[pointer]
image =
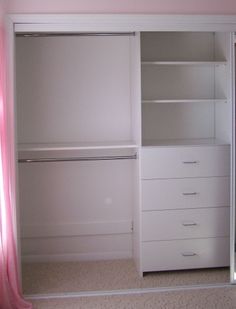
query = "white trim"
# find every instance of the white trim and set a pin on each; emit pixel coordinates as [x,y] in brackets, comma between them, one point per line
[233,175]
[76,229]
[75,257]
[127,291]
[121,22]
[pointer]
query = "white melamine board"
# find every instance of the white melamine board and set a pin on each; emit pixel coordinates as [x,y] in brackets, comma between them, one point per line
[75,229]
[189,63]
[181,162]
[177,82]
[35,151]
[76,146]
[221,78]
[98,247]
[135,91]
[73,89]
[177,46]
[185,224]
[165,101]
[221,45]
[184,142]
[223,86]
[163,194]
[137,211]
[168,255]
[76,192]
[177,121]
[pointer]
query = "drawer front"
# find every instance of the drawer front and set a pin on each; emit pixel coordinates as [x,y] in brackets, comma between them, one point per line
[184,224]
[178,162]
[160,194]
[185,254]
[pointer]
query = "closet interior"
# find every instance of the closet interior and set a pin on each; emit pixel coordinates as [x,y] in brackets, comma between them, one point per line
[123,143]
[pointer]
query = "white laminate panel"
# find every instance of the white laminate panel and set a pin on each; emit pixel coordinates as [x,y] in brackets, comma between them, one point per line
[177,82]
[166,46]
[185,254]
[65,249]
[160,194]
[63,193]
[179,162]
[184,224]
[73,89]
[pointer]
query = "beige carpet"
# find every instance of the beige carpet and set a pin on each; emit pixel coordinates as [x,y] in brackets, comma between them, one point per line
[40,278]
[220,298]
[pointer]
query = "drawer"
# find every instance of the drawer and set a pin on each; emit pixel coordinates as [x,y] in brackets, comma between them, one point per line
[185,254]
[184,224]
[185,193]
[179,162]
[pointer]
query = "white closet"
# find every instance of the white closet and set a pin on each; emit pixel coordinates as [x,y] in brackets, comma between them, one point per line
[149,114]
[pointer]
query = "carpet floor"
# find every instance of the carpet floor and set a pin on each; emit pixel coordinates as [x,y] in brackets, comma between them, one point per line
[40,278]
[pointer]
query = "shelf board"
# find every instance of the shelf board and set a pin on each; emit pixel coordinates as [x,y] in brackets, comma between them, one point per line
[185,101]
[184,142]
[194,63]
[76,146]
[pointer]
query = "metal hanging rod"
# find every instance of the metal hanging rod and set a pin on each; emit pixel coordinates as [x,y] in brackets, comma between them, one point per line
[98,158]
[49,34]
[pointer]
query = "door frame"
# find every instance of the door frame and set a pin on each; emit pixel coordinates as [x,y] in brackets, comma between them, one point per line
[16,23]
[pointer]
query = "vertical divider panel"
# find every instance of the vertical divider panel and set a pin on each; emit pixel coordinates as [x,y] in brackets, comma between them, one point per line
[136,136]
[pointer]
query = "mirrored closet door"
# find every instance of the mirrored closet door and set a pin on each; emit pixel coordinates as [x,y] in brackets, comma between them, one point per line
[124,143]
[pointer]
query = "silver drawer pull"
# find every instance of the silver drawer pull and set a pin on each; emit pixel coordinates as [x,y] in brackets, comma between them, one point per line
[190,162]
[189,224]
[189,193]
[187,254]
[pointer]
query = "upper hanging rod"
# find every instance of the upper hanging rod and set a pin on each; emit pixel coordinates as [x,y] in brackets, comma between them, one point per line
[98,158]
[48,34]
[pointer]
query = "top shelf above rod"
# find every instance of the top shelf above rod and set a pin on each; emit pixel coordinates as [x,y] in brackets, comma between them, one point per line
[195,63]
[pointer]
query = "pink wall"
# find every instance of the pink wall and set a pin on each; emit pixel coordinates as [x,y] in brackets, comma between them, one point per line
[124,6]
[2,8]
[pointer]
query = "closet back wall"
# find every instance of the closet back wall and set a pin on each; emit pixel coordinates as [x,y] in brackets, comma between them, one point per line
[73,95]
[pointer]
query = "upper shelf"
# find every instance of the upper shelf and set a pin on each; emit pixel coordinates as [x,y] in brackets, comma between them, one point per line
[76,146]
[193,63]
[185,101]
[183,142]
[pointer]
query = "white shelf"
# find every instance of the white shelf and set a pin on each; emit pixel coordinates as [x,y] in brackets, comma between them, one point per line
[76,146]
[183,142]
[185,101]
[193,63]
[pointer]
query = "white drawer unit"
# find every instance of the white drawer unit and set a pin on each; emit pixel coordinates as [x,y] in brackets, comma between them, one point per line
[185,254]
[185,224]
[185,214]
[160,194]
[180,162]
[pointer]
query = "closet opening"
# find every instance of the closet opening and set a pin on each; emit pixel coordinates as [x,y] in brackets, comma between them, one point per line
[98,116]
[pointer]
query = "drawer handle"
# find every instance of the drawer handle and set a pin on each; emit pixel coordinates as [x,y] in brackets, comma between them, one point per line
[189,193]
[189,224]
[187,254]
[190,162]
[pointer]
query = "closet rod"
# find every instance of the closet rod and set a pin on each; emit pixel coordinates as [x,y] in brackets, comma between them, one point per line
[98,158]
[48,34]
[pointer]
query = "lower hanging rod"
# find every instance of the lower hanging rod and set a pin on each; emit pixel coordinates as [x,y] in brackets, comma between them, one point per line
[98,158]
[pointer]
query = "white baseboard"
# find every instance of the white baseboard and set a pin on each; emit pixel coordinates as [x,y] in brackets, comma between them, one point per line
[115,255]
[76,229]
